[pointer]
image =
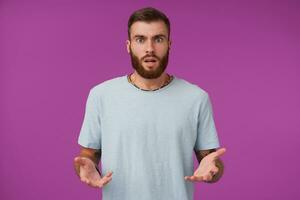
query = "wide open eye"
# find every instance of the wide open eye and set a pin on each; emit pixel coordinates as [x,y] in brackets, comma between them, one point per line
[139,40]
[159,39]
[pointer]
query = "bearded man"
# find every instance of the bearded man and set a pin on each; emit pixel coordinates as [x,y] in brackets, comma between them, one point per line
[145,126]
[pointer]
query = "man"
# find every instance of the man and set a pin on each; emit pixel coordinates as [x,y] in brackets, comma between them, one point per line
[145,126]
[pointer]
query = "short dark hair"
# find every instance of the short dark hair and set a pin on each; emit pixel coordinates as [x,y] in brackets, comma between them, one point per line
[148,14]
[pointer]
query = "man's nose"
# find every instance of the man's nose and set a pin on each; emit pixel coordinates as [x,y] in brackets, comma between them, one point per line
[149,47]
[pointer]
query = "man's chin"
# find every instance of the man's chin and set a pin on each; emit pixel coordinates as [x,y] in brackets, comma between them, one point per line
[150,67]
[152,75]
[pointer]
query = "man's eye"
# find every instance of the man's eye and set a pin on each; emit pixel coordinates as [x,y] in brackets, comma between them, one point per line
[159,40]
[139,40]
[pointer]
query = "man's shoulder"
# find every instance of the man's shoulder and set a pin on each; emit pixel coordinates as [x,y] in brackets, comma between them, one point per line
[108,85]
[192,88]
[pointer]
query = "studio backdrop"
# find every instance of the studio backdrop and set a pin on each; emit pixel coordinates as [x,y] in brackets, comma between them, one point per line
[245,54]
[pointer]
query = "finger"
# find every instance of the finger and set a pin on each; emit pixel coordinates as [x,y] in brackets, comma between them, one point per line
[105,178]
[100,183]
[215,155]
[220,152]
[97,183]
[207,177]
[193,178]
[85,180]
[189,179]
[107,181]
[104,181]
[108,174]
[82,179]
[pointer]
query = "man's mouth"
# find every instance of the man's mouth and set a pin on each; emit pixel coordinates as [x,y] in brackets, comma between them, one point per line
[150,60]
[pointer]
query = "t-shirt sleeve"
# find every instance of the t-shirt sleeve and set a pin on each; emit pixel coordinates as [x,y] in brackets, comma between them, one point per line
[207,136]
[90,133]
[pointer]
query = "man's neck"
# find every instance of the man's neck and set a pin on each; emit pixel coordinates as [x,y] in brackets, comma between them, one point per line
[149,84]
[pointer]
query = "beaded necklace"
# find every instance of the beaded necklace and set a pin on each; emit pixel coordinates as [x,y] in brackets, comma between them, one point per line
[166,83]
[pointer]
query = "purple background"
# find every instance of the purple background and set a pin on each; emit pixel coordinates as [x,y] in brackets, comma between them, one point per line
[244,53]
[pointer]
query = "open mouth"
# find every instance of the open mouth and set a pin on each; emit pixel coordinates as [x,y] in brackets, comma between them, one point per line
[150,60]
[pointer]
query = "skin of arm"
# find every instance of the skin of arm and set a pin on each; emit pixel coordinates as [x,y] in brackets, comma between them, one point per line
[92,154]
[200,154]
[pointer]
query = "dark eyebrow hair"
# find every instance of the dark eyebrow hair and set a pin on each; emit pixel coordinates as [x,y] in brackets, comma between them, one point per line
[155,36]
[160,35]
[136,36]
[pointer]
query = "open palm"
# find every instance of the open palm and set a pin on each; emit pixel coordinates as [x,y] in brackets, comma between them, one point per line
[207,168]
[89,174]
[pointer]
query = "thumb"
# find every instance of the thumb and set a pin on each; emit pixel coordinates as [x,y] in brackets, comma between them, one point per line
[218,153]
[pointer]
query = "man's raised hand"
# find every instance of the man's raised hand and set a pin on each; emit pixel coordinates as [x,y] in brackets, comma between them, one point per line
[207,168]
[89,174]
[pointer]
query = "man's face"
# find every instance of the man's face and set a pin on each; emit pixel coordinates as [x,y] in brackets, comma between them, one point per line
[149,48]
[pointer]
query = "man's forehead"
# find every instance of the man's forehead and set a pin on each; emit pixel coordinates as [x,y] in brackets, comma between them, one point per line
[149,29]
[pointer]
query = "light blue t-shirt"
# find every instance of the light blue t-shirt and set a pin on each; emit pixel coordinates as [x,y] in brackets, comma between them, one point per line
[147,138]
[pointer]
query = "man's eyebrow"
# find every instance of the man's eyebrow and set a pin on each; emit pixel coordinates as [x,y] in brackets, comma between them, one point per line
[155,36]
[138,36]
[160,35]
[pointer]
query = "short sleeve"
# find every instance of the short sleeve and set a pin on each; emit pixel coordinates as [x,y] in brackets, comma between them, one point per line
[207,136]
[90,133]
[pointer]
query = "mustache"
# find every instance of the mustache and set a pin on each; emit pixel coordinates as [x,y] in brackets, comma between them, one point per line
[150,55]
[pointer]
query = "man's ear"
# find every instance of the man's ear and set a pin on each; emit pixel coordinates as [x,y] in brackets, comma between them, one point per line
[128,46]
[170,43]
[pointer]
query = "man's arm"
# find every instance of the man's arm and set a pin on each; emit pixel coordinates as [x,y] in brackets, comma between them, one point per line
[200,154]
[92,154]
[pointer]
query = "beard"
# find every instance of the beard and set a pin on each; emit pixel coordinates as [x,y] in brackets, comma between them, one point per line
[138,66]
